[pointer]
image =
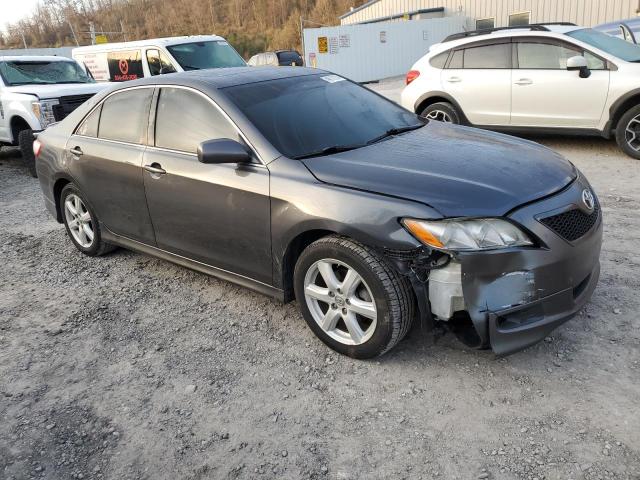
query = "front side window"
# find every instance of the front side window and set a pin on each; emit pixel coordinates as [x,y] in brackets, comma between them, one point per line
[544,56]
[306,115]
[209,54]
[488,56]
[89,128]
[125,116]
[629,52]
[184,119]
[158,63]
[20,72]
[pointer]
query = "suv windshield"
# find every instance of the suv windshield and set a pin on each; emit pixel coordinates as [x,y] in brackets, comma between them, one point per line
[316,115]
[607,43]
[23,72]
[211,54]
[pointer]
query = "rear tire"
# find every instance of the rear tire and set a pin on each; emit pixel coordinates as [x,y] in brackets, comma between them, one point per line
[81,223]
[25,142]
[628,132]
[442,112]
[364,308]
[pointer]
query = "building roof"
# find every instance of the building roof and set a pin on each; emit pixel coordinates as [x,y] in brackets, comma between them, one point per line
[361,7]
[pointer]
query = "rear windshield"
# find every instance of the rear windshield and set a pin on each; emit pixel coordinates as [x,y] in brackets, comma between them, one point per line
[288,58]
[21,72]
[306,114]
[612,45]
[210,54]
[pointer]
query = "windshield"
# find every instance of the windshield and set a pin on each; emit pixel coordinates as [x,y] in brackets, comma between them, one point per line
[319,114]
[19,72]
[199,55]
[609,44]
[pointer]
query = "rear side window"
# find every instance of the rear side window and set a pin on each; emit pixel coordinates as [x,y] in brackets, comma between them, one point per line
[488,56]
[456,59]
[125,65]
[89,128]
[125,116]
[439,60]
[184,119]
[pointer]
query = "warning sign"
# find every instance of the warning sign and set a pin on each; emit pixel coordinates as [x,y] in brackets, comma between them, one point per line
[323,45]
[333,45]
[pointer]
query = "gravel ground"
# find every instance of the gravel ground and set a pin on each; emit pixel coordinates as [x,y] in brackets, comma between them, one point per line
[127,367]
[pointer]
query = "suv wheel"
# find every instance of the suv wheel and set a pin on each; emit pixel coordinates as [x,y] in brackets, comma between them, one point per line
[351,298]
[81,223]
[628,132]
[25,142]
[441,112]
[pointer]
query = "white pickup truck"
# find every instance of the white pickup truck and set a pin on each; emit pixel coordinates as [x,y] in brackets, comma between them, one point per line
[36,91]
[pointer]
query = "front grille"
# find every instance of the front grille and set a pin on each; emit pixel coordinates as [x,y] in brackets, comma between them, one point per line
[68,104]
[573,224]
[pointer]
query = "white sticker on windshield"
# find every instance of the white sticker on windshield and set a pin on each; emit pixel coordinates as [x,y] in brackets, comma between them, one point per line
[332,78]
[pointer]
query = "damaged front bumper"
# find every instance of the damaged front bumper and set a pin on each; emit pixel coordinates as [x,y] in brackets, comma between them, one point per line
[515,297]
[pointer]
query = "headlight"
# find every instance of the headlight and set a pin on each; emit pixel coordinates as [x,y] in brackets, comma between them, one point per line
[465,235]
[43,110]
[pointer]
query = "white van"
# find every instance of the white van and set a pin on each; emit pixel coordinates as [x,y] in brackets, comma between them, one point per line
[118,62]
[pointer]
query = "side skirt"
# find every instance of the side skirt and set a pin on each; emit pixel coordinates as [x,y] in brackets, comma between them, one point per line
[586,132]
[243,281]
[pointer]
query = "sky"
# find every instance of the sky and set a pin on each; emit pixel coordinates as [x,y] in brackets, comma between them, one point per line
[12,10]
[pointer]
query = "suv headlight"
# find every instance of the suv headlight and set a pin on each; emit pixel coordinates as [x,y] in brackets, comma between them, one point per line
[467,234]
[43,110]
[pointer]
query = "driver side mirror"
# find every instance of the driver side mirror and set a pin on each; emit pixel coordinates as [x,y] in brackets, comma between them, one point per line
[579,63]
[223,150]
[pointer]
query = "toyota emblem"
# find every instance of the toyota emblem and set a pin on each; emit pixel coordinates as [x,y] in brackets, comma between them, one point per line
[587,199]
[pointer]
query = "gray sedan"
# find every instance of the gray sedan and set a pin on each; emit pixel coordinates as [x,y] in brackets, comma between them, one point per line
[303,185]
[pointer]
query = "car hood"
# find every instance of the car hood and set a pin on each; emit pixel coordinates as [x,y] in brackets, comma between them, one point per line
[61,90]
[459,171]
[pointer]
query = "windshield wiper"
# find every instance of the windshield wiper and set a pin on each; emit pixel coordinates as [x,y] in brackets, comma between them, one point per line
[395,131]
[330,150]
[70,81]
[190,67]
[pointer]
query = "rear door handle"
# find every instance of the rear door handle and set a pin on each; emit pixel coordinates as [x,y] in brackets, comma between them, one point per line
[454,79]
[77,151]
[155,168]
[524,81]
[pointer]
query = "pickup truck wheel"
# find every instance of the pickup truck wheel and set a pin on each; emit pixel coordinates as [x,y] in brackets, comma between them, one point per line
[25,142]
[81,223]
[441,112]
[628,132]
[351,298]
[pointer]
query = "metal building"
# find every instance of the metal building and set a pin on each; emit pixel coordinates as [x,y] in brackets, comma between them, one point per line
[495,13]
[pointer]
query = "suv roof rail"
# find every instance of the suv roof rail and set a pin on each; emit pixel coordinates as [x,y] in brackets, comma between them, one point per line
[538,27]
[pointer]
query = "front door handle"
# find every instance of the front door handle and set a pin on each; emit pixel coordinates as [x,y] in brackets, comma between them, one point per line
[524,81]
[77,151]
[155,168]
[454,79]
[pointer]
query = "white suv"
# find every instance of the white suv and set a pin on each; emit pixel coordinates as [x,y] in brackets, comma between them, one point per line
[36,91]
[539,78]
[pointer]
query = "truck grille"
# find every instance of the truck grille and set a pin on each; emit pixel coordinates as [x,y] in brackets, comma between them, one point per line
[573,224]
[68,104]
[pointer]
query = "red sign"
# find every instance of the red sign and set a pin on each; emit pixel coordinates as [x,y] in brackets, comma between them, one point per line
[123,65]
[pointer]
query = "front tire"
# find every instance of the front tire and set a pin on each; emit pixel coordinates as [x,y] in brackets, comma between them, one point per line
[81,223]
[351,298]
[442,112]
[25,142]
[628,132]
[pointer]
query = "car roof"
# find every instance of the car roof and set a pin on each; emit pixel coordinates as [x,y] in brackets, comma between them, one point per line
[163,41]
[34,58]
[552,31]
[216,78]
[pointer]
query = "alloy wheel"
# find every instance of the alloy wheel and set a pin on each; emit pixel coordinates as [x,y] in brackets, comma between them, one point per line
[632,133]
[340,301]
[439,116]
[79,220]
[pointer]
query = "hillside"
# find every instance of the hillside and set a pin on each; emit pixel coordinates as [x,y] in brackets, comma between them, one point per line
[250,25]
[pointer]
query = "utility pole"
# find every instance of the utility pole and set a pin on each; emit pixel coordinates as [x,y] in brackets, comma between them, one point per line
[123,32]
[92,32]
[24,41]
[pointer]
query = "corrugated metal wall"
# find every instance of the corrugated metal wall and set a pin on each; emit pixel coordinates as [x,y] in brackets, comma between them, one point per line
[581,12]
[378,50]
